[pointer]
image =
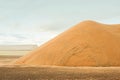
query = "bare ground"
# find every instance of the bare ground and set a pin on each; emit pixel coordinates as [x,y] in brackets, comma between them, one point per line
[59,73]
[5,59]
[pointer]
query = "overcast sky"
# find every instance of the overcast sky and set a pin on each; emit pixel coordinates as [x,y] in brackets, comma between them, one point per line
[36,21]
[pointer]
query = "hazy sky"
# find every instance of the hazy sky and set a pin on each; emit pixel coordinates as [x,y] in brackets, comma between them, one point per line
[36,21]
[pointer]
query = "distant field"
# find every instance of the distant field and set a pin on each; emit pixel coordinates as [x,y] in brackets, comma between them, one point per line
[5,59]
[15,52]
[9,53]
[9,56]
[59,73]
[17,47]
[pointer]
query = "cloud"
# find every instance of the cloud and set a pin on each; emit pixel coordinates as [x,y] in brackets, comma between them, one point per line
[38,39]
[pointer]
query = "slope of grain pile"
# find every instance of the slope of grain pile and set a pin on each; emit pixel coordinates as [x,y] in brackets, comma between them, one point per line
[86,44]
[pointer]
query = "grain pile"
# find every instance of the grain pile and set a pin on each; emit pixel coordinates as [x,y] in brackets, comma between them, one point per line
[86,44]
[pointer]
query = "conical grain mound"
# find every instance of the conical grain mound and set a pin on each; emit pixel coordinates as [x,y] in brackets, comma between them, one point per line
[87,44]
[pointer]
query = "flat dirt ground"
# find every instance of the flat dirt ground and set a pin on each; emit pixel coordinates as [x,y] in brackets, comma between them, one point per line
[59,73]
[5,59]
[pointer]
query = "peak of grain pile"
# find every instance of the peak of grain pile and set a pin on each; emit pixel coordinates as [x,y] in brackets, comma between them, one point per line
[86,44]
